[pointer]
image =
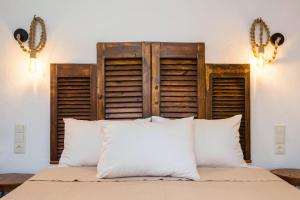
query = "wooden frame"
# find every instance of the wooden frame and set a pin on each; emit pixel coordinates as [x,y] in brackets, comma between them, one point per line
[140,79]
[234,92]
[124,57]
[181,79]
[81,105]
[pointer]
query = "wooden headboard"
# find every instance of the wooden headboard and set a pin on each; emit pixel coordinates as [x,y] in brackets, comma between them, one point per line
[140,79]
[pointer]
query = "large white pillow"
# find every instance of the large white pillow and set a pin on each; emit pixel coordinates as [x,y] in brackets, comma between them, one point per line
[83,140]
[216,142]
[148,149]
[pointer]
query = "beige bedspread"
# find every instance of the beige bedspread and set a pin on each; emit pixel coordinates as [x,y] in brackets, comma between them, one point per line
[215,184]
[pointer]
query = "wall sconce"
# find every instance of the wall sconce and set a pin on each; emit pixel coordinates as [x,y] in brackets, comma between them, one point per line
[258,48]
[21,36]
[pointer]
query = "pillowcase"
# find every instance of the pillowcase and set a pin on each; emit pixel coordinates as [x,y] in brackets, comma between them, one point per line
[148,149]
[216,142]
[82,143]
[83,140]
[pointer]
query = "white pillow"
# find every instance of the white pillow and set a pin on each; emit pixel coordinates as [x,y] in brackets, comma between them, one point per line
[148,149]
[216,142]
[82,143]
[83,140]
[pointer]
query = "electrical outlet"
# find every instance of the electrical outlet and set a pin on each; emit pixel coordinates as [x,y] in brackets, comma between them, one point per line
[279,149]
[280,134]
[279,139]
[19,138]
[19,148]
[19,143]
[19,128]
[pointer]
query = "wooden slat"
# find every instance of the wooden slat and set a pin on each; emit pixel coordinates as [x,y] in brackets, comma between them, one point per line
[123,78]
[156,83]
[201,82]
[179,66]
[54,155]
[126,61]
[123,73]
[178,78]
[123,83]
[122,49]
[124,105]
[123,116]
[85,105]
[178,94]
[178,99]
[67,70]
[73,103]
[123,94]
[176,110]
[101,80]
[124,89]
[179,62]
[179,104]
[124,99]
[68,87]
[59,99]
[178,73]
[125,67]
[73,95]
[179,88]
[178,115]
[74,91]
[124,110]
[146,58]
[178,83]
[178,50]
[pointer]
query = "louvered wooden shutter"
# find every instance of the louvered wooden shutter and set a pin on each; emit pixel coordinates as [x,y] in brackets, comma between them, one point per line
[124,83]
[228,94]
[73,95]
[178,89]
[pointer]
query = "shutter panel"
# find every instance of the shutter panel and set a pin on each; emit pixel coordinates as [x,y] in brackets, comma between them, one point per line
[228,94]
[124,83]
[177,87]
[73,95]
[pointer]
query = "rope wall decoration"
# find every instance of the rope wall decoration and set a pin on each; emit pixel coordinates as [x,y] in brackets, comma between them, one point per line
[33,48]
[258,48]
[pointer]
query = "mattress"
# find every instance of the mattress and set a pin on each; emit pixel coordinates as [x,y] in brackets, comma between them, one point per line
[216,183]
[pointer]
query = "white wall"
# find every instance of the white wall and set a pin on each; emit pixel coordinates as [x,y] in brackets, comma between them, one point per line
[74,27]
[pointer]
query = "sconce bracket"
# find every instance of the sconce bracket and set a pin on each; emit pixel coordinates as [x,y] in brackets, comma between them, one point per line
[274,38]
[23,34]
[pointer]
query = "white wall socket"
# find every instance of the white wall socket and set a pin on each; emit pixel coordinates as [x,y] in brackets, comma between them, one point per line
[19,128]
[279,139]
[279,149]
[19,148]
[19,143]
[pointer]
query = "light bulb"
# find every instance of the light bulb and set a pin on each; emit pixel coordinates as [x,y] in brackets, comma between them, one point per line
[261,60]
[261,57]
[33,66]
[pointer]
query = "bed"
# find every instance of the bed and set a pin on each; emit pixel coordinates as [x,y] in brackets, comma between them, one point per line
[216,183]
[137,80]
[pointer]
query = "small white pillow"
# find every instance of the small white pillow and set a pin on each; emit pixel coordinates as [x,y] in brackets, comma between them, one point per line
[216,142]
[82,143]
[148,149]
[83,140]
